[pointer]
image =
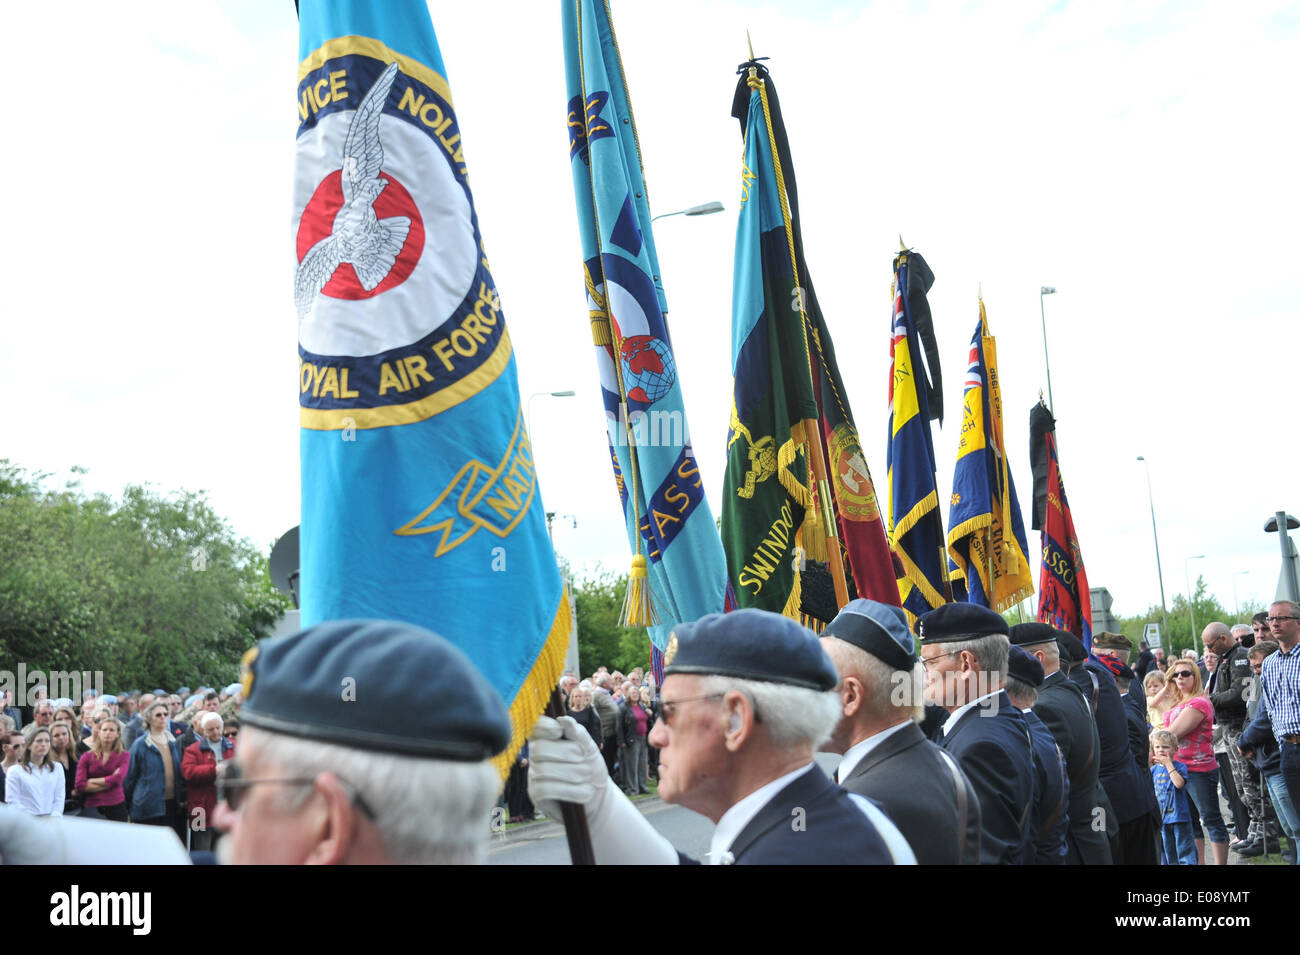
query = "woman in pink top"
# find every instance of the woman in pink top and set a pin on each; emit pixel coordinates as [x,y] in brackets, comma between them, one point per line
[101,771]
[1190,717]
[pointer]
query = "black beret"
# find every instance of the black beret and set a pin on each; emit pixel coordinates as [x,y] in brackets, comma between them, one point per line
[1071,647]
[959,621]
[878,628]
[1024,666]
[1028,634]
[750,645]
[352,682]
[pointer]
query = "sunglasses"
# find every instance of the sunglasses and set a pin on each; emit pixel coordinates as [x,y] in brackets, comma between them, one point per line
[230,734]
[1183,673]
[668,708]
[231,787]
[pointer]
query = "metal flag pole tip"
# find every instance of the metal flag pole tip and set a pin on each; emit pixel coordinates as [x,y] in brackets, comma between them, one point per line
[902,246]
[749,43]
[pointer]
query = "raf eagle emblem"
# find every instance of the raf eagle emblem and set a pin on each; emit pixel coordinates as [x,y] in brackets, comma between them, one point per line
[359,237]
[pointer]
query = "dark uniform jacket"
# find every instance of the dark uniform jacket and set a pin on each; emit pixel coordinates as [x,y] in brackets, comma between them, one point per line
[1066,714]
[1139,730]
[1131,795]
[994,752]
[924,793]
[1146,662]
[1227,688]
[1046,844]
[811,821]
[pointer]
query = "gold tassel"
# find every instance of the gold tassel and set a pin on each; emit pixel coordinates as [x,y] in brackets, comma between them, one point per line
[814,535]
[638,607]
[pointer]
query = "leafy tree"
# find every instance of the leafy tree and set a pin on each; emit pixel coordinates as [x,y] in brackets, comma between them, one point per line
[149,589]
[1180,637]
[601,641]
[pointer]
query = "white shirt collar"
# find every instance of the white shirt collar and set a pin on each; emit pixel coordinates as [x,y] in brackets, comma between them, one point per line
[735,819]
[958,713]
[855,753]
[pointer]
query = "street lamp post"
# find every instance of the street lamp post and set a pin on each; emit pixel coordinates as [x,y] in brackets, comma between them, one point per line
[1160,574]
[1191,596]
[1288,585]
[1046,290]
[528,407]
[703,209]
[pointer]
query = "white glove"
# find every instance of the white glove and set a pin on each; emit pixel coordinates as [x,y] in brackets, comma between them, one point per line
[565,766]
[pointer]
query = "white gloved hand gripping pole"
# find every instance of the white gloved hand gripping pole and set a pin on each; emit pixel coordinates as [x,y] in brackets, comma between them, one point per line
[565,766]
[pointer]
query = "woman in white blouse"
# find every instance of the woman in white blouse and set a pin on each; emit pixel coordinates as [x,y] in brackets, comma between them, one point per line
[36,784]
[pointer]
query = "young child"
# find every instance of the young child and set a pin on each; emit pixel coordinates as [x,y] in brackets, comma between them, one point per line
[1168,776]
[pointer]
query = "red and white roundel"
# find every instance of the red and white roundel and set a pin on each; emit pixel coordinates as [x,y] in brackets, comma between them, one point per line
[384,238]
[317,223]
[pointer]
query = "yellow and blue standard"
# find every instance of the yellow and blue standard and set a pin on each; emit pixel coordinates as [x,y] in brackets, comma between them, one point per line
[419,495]
[986,534]
[915,527]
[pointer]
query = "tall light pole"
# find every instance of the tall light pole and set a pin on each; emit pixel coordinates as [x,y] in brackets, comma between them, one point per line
[703,209]
[1288,587]
[1160,574]
[1191,596]
[1046,290]
[1236,604]
[528,406]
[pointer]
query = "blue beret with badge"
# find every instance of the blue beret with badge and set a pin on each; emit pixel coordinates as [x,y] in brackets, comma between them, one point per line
[349,682]
[959,621]
[750,645]
[1024,666]
[878,628]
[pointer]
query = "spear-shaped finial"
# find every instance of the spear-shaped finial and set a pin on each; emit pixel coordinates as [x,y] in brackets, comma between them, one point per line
[749,43]
[902,246]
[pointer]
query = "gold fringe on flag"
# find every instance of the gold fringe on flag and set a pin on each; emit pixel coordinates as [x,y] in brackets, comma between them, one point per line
[638,605]
[530,702]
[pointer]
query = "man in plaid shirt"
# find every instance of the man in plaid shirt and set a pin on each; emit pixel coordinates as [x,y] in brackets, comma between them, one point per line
[1280,691]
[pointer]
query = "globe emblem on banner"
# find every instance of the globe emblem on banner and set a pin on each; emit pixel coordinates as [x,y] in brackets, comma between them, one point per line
[648,368]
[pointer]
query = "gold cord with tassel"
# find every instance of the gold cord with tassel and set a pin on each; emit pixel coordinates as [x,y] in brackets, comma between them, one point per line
[638,608]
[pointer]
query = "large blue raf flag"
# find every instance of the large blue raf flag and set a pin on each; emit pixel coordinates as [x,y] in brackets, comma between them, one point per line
[915,524]
[669,524]
[986,534]
[419,500]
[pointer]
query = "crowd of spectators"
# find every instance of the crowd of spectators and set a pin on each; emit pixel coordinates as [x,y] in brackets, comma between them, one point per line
[145,758]
[1225,730]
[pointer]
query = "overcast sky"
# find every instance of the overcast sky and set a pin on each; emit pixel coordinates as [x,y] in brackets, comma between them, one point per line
[1138,157]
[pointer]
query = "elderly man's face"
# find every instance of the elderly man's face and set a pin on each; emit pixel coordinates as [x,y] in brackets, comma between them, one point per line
[945,682]
[261,831]
[212,731]
[690,739]
[44,715]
